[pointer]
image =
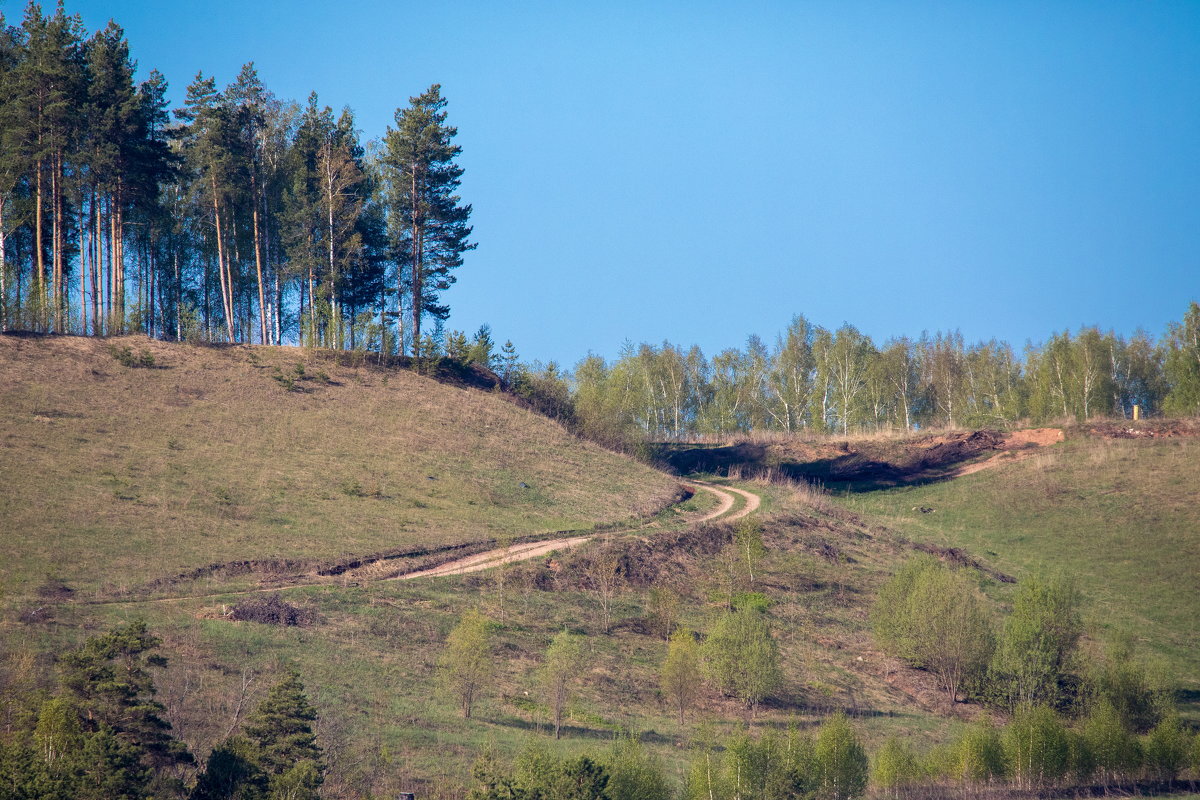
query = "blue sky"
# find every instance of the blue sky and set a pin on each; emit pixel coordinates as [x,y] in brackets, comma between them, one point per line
[700,171]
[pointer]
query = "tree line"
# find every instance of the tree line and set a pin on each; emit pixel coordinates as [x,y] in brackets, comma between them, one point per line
[240,217]
[812,379]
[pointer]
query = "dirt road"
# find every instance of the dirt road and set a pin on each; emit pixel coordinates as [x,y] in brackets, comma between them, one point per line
[727,497]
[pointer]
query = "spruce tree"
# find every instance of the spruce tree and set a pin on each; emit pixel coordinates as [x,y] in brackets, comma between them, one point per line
[281,731]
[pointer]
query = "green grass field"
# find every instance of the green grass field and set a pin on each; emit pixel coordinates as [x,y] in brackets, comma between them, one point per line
[1119,515]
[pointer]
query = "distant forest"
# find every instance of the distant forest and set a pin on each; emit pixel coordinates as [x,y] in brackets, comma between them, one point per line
[241,217]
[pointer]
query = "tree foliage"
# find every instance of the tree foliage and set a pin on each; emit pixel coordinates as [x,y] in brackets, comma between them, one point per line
[934,619]
[466,661]
[564,656]
[1036,657]
[741,657]
[680,676]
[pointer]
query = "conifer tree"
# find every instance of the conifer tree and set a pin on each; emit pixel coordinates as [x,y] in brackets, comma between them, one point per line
[109,681]
[280,728]
[427,220]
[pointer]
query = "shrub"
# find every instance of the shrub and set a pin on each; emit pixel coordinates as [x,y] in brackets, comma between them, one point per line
[979,754]
[840,760]
[935,619]
[1114,749]
[896,767]
[1167,748]
[1037,747]
[126,358]
[634,773]
[742,658]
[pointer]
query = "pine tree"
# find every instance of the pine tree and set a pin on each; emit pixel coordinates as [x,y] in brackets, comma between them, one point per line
[280,728]
[109,681]
[428,222]
[12,165]
[49,81]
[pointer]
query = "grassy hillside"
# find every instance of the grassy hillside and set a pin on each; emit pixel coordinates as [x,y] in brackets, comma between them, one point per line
[1118,514]
[118,476]
[115,475]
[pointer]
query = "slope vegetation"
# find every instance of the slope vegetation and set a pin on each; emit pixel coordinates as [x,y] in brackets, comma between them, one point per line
[215,461]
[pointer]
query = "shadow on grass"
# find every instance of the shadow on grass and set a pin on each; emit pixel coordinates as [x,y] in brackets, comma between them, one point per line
[575,731]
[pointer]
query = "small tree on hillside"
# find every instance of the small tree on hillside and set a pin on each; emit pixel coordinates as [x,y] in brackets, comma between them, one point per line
[1167,748]
[934,619]
[895,768]
[840,759]
[747,536]
[466,663]
[1037,746]
[742,658]
[1114,750]
[663,604]
[564,657]
[1035,659]
[680,677]
[604,576]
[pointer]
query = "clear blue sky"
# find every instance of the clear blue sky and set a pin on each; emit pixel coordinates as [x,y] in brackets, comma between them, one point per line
[700,171]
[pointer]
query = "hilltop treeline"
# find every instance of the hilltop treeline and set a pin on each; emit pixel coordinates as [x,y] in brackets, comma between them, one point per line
[818,380]
[240,217]
[243,217]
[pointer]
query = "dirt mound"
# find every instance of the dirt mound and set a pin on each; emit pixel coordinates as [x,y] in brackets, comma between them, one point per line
[1142,429]
[272,610]
[862,465]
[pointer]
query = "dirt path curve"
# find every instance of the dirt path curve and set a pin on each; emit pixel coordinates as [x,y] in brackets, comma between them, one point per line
[726,497]
[727,500]
[492,558]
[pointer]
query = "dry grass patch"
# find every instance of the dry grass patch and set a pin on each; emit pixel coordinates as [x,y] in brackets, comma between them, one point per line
[117,475]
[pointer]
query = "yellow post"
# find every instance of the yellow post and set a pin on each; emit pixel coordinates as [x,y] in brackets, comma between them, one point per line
[1137,412]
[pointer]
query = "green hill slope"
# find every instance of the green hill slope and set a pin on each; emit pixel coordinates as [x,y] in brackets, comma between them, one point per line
[114,476]
[1118,514]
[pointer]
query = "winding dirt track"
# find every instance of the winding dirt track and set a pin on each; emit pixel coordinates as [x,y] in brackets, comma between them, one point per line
[726,497]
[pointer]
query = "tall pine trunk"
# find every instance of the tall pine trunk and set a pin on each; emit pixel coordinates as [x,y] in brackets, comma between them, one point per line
[55,245]
[83,249]
[226,290]
[97,262]
[262,298]
[3,270]
[417,260]
[39,258]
